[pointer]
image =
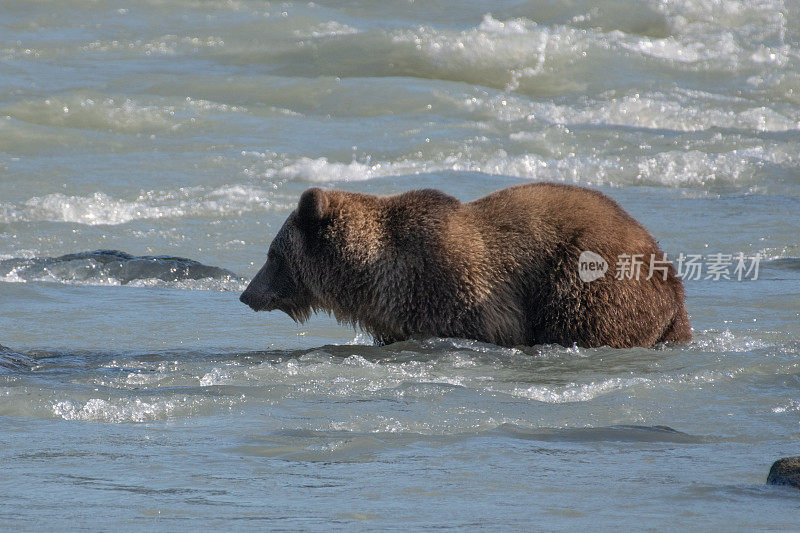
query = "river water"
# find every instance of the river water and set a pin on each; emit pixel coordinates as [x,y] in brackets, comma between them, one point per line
[149,152]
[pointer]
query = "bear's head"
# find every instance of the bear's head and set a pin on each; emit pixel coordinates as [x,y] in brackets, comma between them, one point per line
[365,259]
[282,283]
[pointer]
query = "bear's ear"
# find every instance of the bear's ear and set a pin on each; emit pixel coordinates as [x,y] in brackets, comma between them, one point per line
[312,206]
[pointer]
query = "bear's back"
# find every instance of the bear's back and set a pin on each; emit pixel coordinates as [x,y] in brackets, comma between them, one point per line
[535,234]
[567,209]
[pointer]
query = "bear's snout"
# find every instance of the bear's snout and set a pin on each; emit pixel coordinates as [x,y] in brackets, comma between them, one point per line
[247,299]
[252,300]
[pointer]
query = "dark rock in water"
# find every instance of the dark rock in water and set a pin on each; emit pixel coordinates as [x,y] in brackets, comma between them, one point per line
[105,265]
[785,471]
[785,263]
[11,360]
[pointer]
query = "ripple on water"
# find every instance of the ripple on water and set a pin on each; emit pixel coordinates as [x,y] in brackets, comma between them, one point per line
[436,386]
[101,209]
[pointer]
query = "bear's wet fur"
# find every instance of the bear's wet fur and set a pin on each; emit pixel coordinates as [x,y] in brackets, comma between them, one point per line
[502,269]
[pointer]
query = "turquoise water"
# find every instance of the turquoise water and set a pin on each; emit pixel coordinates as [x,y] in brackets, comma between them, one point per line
[149,152]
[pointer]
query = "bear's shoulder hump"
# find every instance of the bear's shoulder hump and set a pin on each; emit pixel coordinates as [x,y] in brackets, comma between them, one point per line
[430,197]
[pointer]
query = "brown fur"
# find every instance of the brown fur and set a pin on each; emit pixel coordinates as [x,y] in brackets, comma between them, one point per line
[501,269]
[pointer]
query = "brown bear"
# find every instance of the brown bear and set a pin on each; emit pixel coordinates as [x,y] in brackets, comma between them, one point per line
[521,266]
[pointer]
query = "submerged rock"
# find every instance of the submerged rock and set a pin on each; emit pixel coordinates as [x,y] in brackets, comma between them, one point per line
[110,267]
[785,471]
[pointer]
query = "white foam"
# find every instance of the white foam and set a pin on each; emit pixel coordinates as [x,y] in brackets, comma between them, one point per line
[132,409]
[321,170]
[781,252]
[208,106]
[518,46]
[577,392]
[792,405]
[95,112]
[726,341]
[118,114]
[583,392]
[511,50]
[752,17]
[673,50]
[124,410]
[203,284]
[519,26]
[230,284]
[13,277]
[216,376]
[670,169]
[682,168]
[101,209]
[679,111]
[360,339]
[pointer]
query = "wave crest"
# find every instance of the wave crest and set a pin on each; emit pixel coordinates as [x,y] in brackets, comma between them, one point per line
[113,267]
[99,208]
